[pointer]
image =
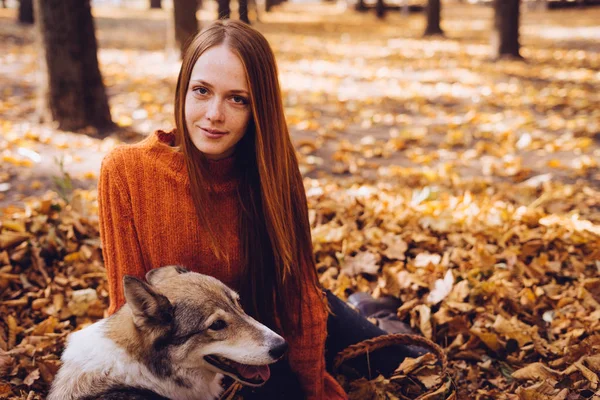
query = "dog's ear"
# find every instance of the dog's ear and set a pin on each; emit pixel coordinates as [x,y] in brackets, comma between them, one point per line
[148,306]
[158,274]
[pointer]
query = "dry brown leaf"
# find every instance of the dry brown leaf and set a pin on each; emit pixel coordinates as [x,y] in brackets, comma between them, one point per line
[586,372]
[593,362]
[444,390]
[409,364]
[5,389]
[425,320]
[46,326]
[396,247]
[12,331]
[6,363]
[10,239]
[536,372]
[430,381]
[363,262]
[425,259]
[488,338]
[460,291]
[513,329]
[32,377]
[539,391]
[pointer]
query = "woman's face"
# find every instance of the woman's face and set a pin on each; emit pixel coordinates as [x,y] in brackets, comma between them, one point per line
[217,109]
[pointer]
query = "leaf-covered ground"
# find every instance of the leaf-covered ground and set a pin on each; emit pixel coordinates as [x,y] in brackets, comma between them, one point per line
[466,187]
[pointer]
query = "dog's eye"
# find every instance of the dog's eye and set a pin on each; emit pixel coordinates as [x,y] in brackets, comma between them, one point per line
[218,325]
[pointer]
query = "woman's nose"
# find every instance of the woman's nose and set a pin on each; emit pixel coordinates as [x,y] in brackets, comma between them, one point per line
[215,110]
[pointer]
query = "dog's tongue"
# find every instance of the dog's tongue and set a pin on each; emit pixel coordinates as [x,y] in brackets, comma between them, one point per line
[252,371]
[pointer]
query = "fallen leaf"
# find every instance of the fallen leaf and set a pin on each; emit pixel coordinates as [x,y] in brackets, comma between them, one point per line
[425,259]
[536,372]
[32,377]
[363,262]
[441,289]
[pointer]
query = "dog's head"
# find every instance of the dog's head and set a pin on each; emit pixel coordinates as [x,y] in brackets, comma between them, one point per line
[197,323]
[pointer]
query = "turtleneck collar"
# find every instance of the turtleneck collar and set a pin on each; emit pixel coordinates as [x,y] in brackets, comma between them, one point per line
[223,172]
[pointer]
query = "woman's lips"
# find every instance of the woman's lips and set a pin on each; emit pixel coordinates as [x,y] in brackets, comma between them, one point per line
[213,133]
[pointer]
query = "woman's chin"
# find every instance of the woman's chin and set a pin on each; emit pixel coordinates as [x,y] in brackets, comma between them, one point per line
[215,154]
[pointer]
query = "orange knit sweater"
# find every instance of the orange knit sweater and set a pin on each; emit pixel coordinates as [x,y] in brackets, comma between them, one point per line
[147,220]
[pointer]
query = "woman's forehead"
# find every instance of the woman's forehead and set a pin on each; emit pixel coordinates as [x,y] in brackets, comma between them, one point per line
[220,68]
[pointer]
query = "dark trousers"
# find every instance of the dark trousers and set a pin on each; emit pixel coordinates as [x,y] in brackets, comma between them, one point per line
[344,328]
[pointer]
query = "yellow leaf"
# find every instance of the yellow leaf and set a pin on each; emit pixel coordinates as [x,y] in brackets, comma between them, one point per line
[89,175]
[554,163]
[72,257]
[17,226]
[124,121]
[36,185]
[488,338]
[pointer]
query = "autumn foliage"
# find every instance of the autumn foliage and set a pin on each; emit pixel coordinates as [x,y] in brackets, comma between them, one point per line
[466,187]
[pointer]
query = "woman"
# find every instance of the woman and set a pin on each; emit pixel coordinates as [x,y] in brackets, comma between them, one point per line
[222,195]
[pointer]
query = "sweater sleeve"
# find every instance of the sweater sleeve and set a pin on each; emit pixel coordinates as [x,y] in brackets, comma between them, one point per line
[120,246]
[307,351]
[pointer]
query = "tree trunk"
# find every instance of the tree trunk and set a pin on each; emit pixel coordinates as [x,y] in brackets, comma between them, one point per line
[380,9]
[155,3]
[360,6]
[224,10]
[434,11]
[269,4]
[505,35]
[26,11]
[186,25]
[243,10]
[72,92]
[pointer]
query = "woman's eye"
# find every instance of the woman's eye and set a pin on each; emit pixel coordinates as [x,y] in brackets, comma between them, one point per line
[239,100]
[201,90]
[218,325]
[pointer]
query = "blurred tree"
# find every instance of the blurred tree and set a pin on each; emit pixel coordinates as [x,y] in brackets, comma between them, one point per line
[505,34]
[269,4]
[186,24]
[360,6]
[434,11]
[380,9]
[26,11]
[225,10]
[72,93]
[155,3]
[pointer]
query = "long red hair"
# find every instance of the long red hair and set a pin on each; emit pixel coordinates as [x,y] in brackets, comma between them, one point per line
[274,228]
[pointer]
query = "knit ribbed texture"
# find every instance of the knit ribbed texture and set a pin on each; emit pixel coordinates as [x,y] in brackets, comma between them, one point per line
[148,220]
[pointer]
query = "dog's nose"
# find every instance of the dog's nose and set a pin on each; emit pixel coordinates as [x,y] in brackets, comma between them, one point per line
[278,350]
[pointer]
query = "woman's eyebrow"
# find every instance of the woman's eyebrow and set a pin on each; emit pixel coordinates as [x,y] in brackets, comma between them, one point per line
[208,85]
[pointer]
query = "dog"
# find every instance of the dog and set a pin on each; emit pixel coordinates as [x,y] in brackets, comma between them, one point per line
[175,338]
